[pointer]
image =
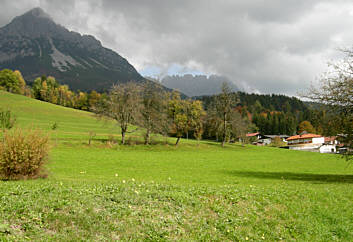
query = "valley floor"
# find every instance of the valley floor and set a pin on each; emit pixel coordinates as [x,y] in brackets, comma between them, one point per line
[187,193]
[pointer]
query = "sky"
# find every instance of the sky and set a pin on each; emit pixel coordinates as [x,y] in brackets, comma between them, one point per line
[263,46]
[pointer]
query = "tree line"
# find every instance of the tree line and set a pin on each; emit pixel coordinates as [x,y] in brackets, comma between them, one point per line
[155,110]
[279,114]
[224,117]
[48,89]
[146,105]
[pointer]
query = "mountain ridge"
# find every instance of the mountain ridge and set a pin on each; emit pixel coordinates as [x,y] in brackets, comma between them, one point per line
[197,85]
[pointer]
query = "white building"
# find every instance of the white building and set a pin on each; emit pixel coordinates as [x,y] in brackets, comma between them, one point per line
[312,142]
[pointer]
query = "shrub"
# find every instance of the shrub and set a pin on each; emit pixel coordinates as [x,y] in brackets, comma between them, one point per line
[278,142]
[23,155]
[7,120]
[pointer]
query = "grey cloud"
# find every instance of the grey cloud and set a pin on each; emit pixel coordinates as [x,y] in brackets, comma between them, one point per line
[269,46]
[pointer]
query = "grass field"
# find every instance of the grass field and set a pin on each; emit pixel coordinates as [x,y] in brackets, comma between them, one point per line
[163,193]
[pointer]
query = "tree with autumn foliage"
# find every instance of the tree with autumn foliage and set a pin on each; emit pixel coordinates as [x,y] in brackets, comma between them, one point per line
[123,105]
[12,81]
[197,116]
[306,126]
[177,112]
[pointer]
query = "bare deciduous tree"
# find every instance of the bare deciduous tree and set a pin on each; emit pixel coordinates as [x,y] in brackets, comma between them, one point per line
[153,110]
[221,111]
[122,105]
[336,91]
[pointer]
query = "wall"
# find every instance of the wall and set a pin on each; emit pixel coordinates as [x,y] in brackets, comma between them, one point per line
[320,140]
[328,149]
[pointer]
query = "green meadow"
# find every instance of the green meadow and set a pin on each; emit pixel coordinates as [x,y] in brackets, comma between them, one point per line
[106,191]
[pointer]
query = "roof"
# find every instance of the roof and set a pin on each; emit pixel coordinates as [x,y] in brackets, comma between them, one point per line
[304,136]
[329,139]
[252,134]
[272,136]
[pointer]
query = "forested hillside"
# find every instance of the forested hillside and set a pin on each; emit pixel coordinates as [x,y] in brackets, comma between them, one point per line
[279,114]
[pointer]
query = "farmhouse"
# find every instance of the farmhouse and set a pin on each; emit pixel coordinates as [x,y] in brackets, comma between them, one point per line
[272,137]
[256,135]
[260,139]
[312,142]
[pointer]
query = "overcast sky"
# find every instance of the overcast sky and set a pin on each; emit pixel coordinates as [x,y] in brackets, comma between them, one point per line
[266,46]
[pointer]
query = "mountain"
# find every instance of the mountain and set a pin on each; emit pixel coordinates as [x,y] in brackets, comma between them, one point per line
[34,44]
[198,85]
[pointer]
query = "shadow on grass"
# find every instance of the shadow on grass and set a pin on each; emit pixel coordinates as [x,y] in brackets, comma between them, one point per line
[317,178]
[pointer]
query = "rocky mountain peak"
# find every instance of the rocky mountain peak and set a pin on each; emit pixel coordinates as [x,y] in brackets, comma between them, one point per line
[36,45]
[38,13]
[33,23]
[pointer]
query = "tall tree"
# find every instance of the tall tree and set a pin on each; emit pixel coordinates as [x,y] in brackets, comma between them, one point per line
[196,118]
[221,109]
[306,126]
[153,110]
[21,81]
[122,105]
[240,126]
[9,81]
[336,91]
[93,99]
[177,112]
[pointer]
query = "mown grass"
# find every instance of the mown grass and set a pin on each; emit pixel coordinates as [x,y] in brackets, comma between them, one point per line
[161,193]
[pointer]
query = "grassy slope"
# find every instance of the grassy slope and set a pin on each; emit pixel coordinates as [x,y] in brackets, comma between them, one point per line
[166,193]
[72,124]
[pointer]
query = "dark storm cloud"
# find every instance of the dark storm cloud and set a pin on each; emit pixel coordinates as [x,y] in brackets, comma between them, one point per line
[269,46]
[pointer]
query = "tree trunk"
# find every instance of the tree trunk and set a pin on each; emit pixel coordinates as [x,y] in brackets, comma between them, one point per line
[122,137]
[177,142]
[147,137]
[224,129]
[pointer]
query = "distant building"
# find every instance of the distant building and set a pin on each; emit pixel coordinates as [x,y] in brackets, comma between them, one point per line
[257,138]
[261,139]
[272,137]
[312,142]
[256,135]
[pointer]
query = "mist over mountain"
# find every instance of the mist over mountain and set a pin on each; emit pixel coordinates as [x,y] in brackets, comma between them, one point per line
[197,85]
[34,44]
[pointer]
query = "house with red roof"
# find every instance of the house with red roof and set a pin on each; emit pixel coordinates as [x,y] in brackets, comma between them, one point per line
[256,135]
[312,142]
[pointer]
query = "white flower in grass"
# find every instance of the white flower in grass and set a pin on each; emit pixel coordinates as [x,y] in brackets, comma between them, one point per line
[116,174]
[123,181]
